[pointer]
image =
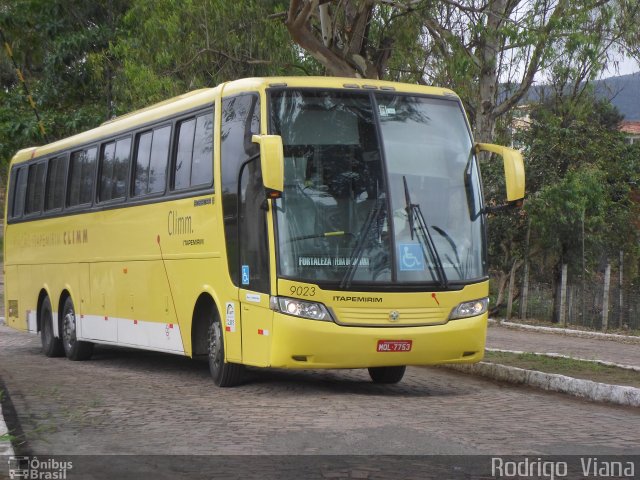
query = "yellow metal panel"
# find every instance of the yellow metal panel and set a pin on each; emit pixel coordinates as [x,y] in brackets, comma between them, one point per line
[375,308]
[301,343]
[13,304]
[257,328]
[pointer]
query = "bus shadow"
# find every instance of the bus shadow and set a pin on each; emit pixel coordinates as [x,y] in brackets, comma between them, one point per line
[348,381]
[345,381]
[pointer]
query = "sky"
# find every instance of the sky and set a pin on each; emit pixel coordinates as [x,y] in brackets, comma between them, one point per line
[626,67]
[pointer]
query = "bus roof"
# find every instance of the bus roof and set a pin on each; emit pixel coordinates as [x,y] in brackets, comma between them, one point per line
[206,96]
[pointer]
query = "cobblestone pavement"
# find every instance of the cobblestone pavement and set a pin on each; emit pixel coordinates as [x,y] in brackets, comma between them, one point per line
[587,348]
[124,401]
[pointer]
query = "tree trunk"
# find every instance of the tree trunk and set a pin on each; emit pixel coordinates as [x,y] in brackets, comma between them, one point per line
[502,283]
[512,281]
[352,60]
[488,81]
[562,312]
[605,298]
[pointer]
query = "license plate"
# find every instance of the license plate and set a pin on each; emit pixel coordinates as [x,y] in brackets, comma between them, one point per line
[394,345]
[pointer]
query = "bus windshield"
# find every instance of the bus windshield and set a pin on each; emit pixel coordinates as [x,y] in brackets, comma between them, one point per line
[380,188]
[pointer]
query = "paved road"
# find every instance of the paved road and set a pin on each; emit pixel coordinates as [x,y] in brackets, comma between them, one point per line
[587,348]
[125,401]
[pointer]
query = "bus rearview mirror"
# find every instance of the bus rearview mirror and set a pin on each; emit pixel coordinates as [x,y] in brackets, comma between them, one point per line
[513,169]
[271,161]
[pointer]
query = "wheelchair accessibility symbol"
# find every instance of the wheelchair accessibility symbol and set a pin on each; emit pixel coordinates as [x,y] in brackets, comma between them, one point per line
[410,257]
[245,274]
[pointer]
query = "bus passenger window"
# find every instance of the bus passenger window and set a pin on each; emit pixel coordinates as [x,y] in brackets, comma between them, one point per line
[115,164]
[82,168]
[202,164]
[151,161]
[19,187]
[35,188]
[55,183]
[194,156]
[183,157]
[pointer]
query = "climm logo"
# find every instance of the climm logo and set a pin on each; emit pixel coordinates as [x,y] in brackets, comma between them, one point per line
[74,237]
[178,225]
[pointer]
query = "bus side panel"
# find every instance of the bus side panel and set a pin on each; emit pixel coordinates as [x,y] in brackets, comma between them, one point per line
[148,317]
[190,278]
[82,275]
[30,282]
[101,324]
[257,329]
[14,305]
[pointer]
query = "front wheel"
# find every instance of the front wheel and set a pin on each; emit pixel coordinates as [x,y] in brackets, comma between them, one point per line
[386,374]
[74,349]
[224,374]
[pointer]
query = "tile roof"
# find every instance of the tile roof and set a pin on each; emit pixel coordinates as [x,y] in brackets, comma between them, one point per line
[631,127]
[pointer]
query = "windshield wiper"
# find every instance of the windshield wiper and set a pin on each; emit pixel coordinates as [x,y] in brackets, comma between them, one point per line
[363,235]
[457,265]
[414,213]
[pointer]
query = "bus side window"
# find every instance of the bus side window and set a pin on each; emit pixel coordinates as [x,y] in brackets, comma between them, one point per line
[81,173]
[152,154]
[18,189]
[35,188]
[114,167]
[194,154]
[56,175]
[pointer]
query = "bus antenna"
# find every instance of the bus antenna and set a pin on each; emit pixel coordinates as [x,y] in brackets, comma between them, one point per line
[25,87]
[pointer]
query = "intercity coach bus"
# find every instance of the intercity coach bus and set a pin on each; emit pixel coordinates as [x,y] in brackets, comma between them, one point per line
[271,222]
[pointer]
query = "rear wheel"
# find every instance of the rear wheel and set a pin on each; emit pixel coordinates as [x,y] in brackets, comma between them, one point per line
[51,346]
[224,374]
[386,374]
[74,349]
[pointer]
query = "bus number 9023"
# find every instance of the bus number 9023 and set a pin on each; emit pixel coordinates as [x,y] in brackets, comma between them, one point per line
[301,291]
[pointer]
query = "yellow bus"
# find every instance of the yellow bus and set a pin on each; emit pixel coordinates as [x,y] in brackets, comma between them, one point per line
[271,222]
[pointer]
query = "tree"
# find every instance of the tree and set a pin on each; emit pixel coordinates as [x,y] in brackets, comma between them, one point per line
[352,38]
[473,46]
[580,181]
[165,51]
[495,49]
[53,42]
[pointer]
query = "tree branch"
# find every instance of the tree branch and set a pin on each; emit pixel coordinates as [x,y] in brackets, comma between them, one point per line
[534,62]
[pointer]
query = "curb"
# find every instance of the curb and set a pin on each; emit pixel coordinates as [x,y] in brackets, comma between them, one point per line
[559,355]
[594,391]
[6,448]
[569,332]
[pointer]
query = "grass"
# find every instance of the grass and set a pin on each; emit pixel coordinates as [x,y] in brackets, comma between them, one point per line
[569,367]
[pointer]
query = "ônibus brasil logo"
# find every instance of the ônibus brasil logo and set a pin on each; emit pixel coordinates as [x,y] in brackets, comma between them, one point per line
[36,469]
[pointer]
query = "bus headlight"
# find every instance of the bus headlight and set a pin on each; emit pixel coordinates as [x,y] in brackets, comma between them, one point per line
[470,309]
[300,308]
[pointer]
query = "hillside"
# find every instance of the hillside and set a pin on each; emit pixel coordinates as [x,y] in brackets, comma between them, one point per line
[623,92]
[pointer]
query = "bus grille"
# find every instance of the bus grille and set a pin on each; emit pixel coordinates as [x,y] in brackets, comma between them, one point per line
[382,317]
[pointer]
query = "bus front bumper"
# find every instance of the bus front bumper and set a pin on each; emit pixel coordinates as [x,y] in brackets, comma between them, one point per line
[302,343]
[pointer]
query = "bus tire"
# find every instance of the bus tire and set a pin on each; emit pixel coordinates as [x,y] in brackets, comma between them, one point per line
[224,374]
[74,349]
[51,346]
[386,374]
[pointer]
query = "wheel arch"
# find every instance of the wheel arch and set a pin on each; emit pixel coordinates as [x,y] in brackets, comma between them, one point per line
[41,296]
[205,306]
[66,293]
